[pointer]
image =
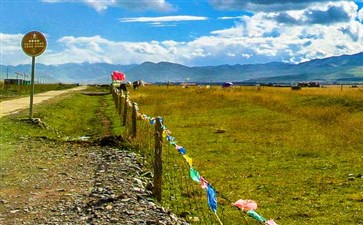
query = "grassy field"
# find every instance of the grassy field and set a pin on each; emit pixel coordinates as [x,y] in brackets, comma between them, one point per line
[68,117]
[298,154]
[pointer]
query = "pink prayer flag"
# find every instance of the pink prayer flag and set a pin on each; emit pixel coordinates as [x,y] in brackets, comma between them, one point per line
[245,205]
[271,222]
[203,182]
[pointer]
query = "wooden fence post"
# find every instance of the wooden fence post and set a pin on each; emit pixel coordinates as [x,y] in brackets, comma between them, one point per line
[125,110]
[120,103]
[158,165]
[117,102]
[114,96]
[133,118]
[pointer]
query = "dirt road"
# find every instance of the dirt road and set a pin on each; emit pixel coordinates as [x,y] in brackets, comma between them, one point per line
[15,105]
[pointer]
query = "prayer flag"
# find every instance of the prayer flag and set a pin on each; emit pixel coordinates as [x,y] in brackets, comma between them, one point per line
[194,174]
[271,222]
[116,75]
[204,182]
[181,150]
[252,213]
[188,159]
[212,198]
[245,205]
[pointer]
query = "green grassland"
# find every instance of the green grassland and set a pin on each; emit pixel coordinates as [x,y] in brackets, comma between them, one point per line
[68,117]
[298,154]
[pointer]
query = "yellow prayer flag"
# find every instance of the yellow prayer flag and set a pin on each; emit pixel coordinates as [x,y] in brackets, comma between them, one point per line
[188,159]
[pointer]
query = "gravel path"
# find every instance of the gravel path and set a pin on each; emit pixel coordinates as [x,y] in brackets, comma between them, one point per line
[119,195]
[98,185]
[15,105]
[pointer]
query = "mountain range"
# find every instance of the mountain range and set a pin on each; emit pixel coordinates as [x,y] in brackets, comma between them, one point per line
[337,69]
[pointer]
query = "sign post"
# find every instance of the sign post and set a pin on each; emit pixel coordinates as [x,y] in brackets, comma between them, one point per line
[34,44]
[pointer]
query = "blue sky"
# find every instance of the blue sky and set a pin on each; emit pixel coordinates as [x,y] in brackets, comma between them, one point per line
[189,32]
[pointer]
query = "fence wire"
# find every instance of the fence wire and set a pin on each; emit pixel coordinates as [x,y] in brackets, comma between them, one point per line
[180,194]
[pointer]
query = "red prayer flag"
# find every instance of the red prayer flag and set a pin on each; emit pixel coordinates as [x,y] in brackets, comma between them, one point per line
[116,75]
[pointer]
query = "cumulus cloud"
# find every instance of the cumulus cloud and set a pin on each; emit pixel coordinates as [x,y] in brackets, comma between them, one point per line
[294,36]
[11,51]
[264,5]
[317,14]
[139,5]
[97,49]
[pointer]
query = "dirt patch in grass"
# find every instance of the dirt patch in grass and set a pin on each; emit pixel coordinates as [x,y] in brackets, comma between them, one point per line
[44,171]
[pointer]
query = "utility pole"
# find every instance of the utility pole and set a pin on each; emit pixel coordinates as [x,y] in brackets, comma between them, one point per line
[17,77]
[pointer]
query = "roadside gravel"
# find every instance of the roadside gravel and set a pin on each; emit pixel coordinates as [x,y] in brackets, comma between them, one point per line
[80,183]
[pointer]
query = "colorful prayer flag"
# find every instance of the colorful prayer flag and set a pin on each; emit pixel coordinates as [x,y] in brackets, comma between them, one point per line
[180,149]
[194,174]
[252,213]
[188,159]
[212,198]
[204,183]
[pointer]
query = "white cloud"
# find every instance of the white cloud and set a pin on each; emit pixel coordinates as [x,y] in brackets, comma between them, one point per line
[97,49]
[162,19]
[264,38]
[260,38]
[230,17]
[139,5]
[11,51]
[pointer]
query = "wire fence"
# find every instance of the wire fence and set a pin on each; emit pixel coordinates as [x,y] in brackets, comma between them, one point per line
[13,90]
[172,187]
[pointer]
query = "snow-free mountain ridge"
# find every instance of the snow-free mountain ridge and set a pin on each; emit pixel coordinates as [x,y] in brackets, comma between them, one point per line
[340,69]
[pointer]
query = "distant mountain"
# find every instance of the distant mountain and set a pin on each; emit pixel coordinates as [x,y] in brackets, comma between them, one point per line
[341,69]
[67,73]
[345,68]
[164,71]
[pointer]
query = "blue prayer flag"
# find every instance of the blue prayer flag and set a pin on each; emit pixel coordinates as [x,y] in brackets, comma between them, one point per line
[212,198]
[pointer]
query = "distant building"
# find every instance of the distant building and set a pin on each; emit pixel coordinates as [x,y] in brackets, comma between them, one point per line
[15,81]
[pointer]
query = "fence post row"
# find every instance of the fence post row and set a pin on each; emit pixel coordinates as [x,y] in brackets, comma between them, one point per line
[158,166]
